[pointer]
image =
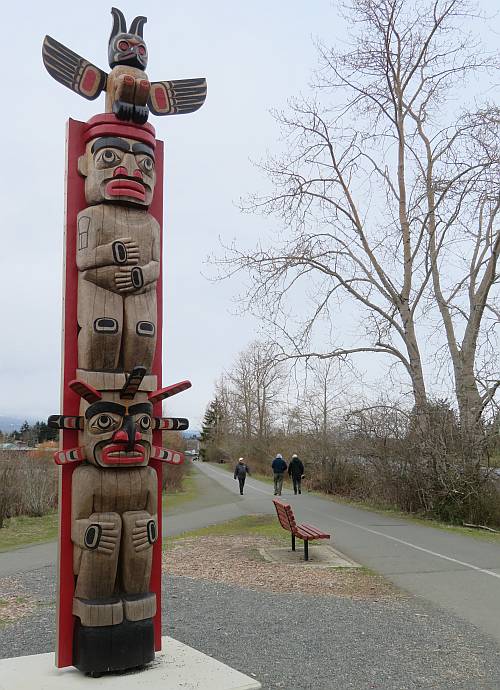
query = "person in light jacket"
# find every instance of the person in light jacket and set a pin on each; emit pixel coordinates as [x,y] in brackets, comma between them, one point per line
[279,468]
[240,473]
[296,472]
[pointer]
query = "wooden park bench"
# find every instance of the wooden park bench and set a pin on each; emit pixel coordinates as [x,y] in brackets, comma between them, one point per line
[303,531]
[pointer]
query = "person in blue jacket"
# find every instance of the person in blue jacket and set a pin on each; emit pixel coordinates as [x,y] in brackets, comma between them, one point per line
[279,468]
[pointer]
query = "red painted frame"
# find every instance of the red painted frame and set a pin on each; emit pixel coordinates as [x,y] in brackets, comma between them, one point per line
[70,402]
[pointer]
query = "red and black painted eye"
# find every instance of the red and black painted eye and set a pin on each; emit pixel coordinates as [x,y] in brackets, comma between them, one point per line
[123,45]
[141,50]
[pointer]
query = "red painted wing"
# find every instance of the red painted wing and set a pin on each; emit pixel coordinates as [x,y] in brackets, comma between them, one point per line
[177,97]
[71,70]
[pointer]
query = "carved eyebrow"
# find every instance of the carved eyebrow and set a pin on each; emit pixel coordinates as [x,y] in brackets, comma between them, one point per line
[141,407]
[105,406]
[111,142]
[143,148]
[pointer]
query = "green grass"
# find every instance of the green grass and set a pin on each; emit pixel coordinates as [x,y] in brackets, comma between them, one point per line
[20,531]
[177,498]
[481,535]
[260,525]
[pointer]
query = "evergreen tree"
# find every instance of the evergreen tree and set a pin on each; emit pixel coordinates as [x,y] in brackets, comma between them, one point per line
[212,432]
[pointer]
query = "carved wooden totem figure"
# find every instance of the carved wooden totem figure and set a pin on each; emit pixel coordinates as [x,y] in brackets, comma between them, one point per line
[118,252]
[109,604]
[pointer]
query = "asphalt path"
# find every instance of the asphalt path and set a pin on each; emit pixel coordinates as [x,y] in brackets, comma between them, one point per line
[456,572]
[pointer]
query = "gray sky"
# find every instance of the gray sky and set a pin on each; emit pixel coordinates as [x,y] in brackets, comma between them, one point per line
[254,56]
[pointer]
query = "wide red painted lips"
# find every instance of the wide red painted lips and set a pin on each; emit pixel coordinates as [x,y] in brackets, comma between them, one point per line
[128,188]
[115,454]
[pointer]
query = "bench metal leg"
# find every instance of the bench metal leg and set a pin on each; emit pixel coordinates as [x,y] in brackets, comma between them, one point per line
[293,542]
[306,549]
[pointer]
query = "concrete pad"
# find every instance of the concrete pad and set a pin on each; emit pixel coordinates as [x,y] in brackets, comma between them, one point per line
[176,667]
[320,556]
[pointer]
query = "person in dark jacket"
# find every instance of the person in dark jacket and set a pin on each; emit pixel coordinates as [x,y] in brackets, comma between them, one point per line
[296,472]
[279,468]
[240,473]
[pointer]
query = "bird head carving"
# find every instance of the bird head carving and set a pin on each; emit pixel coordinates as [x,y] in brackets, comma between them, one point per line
[127,47]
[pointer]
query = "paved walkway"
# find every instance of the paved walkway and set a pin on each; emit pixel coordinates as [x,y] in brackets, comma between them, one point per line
[456,572]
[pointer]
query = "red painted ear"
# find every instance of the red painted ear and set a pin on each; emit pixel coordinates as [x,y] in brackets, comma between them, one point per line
[167,392]
[171,423]
[171,457]
[59,421]
[64,457]
[85,391]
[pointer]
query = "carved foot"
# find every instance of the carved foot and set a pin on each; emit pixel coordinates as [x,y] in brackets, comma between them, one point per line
[123,111]
[141,113]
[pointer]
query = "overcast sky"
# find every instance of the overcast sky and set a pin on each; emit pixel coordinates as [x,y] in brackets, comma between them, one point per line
[255,55]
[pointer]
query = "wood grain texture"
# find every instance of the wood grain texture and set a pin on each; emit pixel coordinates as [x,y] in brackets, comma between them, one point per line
[98,615]
[140,607]
[71,552]
[121,504]
[117,319]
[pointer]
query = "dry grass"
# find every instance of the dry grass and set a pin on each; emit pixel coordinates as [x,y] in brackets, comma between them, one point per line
[236,560]
[15,603]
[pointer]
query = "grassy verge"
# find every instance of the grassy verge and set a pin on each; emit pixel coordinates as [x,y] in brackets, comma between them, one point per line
[20,531]
[482,535]
[172,500]
[260,525]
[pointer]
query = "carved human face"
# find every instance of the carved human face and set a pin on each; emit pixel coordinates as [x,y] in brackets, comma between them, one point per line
[118,170]
[118,435]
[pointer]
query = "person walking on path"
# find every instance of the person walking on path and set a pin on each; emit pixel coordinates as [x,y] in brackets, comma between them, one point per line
[296,472]
[279,468]
[240,473]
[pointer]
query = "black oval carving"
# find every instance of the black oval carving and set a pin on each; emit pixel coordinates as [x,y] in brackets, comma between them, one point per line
[145,328]
[152,533]
[106,325]
[92,536]
[137,277]
[119,252]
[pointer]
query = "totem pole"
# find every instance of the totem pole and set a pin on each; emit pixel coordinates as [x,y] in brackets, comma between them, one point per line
[109,580]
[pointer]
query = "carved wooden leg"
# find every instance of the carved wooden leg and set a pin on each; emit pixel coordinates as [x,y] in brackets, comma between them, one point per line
[142,90]
[100,318]
[137,552]
[96,576]
[139,330]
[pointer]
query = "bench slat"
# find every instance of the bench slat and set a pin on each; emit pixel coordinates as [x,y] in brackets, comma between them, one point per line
[287,520]
[311,528]
[307,533]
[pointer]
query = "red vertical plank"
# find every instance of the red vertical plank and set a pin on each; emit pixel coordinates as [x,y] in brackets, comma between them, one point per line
[156,210]
[70,403]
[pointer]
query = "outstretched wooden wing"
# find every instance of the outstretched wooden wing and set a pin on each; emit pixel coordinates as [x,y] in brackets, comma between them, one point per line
[178,96]
[73,71]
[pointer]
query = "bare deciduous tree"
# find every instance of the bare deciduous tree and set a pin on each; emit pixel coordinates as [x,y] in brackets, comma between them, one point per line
[390,197]
[254,384]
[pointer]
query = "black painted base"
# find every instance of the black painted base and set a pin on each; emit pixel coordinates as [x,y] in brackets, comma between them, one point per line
[113,647]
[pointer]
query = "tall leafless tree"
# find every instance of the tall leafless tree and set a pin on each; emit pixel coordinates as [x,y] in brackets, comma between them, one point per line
[254,386]
[389,194]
